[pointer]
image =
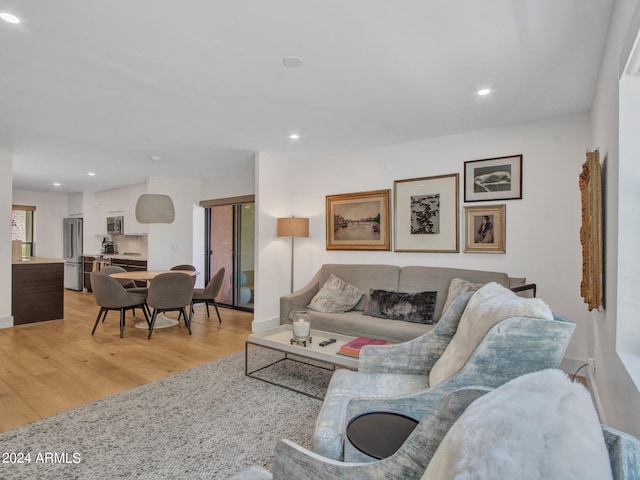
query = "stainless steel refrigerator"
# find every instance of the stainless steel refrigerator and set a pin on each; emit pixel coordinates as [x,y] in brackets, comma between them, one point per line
[73,253]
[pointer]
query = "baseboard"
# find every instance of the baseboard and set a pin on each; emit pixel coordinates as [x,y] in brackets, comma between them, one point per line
[262,325]
[591,385]
[6,322]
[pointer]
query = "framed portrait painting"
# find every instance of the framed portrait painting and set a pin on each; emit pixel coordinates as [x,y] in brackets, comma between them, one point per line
[485,229]
[426,214]
[493,179]
[359,221]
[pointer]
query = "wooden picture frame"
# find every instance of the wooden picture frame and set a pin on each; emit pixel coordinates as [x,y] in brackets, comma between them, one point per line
[485,229]
[427,214]
[591,286]
[359,221]
[493,179]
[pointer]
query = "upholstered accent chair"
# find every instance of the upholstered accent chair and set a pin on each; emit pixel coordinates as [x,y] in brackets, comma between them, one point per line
[208,294]
[540,422]
[171,292]
[400,377]
[111,295]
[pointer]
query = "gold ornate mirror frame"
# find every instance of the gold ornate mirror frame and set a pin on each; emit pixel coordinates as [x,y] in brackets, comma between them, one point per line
[591,231]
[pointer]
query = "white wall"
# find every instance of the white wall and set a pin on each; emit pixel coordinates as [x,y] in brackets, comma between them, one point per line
[542,228]
[6,176]
[224,186]
[618,397]
[174,243]
[51,209]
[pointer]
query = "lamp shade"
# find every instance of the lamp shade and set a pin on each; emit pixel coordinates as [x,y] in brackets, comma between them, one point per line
[154,208]
[293,227]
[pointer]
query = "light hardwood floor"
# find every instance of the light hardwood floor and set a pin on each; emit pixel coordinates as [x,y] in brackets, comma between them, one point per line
[51,367]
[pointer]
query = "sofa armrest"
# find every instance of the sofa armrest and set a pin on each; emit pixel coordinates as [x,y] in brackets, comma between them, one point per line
[298,299]
[417,356]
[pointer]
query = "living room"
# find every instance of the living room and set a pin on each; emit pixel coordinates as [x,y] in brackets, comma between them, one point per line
[542,241]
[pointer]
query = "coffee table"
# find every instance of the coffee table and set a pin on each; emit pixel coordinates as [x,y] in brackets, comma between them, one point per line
[279,339]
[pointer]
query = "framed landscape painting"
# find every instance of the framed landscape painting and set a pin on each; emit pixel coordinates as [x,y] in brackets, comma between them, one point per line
[485,229]
[493,179]
[359,221]
[426,214]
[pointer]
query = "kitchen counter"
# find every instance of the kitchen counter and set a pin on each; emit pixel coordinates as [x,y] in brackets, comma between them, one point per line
[37,290]
[117,256]
[32,260]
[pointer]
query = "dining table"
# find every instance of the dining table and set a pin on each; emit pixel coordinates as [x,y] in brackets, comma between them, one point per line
[162,321]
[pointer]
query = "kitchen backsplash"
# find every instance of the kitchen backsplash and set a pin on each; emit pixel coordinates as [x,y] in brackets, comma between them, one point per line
[130,244]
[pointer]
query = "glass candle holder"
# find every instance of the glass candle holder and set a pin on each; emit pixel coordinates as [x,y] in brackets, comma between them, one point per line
[301,325]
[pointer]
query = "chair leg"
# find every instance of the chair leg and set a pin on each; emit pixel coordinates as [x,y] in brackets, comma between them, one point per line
[207,304]
[146,317]
[102,310]
[153,322]
[187,320]
[215,304]
[121,322]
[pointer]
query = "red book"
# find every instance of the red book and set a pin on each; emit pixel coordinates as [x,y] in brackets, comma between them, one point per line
[353,347]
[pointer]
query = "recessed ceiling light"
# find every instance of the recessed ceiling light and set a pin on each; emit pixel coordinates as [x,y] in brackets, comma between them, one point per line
[91,174]
[294,136]
[8,17]
[56,184]
[484,91]
[292,62]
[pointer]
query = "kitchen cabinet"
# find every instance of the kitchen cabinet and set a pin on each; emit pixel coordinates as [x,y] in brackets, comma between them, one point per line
[122,202]
[37,290]
[128,264]
[131,265]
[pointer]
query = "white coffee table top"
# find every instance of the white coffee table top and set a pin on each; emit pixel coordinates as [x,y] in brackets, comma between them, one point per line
[279,338]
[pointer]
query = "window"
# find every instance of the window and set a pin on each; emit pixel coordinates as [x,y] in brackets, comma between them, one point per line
[22,228]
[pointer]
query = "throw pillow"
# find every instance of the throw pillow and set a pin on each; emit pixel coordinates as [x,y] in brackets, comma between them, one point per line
[336,296]
[486,307]
[457,287]
[410,307]
[539,425]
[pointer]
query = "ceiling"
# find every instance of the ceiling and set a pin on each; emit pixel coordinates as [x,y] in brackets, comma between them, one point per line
[102,86]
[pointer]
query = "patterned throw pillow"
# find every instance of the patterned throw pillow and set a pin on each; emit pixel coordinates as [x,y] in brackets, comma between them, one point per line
[457,287]
[410,307]
[336,296]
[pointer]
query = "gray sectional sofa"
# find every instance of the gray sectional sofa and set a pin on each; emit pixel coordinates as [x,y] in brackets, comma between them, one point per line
[409,279]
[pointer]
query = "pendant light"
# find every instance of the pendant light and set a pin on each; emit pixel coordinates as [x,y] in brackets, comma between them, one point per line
[155,208]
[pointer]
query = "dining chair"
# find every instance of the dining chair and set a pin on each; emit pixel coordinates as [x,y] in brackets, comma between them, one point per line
[208,294]
[128,284]
[111,295]
[184,267]
[170,292]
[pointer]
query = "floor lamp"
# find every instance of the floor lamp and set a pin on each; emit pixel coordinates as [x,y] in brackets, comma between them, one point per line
[293,227]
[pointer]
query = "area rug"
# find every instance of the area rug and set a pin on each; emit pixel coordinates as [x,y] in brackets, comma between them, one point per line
[207,422]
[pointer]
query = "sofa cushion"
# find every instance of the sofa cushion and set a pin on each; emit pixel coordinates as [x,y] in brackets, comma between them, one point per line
[486,307]
[410,307]
[457,287]
[336,296]
[437,279]
[539,425]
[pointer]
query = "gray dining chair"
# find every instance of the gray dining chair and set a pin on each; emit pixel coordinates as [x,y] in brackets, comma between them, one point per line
[170,292]
[184,267]
[111,295]
[129,285]
[208,294]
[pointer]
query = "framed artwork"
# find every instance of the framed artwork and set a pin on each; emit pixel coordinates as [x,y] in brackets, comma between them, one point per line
[485,229]
[359,221]
[427,214]
[590,182]
[493,179]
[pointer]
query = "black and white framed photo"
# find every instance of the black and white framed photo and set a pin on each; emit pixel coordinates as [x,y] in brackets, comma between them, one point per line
[426,214]
[490,179]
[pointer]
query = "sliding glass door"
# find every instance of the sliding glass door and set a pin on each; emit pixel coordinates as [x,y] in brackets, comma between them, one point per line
[230,240]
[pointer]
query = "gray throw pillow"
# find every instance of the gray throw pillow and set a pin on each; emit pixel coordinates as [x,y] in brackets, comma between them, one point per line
[410,307]
[336,296]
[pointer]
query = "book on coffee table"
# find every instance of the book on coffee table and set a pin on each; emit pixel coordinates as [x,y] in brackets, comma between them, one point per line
[352,348]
